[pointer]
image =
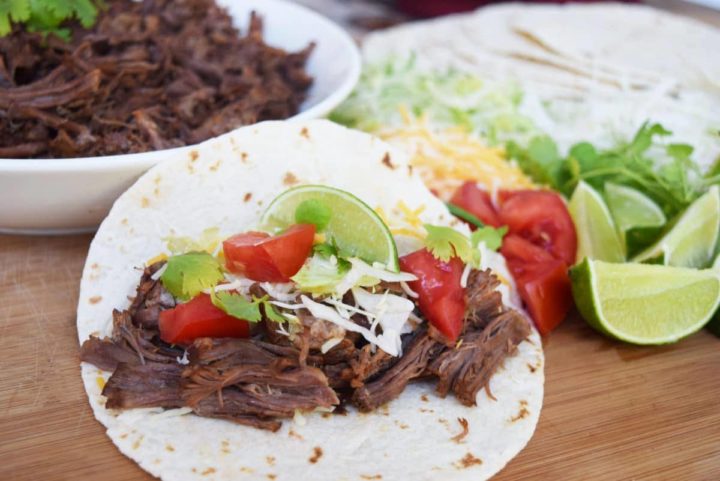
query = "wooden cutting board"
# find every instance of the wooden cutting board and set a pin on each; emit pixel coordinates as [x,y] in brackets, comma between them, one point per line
[611,412]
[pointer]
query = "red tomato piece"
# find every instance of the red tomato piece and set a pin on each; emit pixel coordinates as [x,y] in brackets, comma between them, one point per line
[542,218]
[546,291]
[441,298]
[262,257]
[199,318]
[471,198]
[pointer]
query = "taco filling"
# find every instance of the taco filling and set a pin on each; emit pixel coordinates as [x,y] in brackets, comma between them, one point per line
[299,316]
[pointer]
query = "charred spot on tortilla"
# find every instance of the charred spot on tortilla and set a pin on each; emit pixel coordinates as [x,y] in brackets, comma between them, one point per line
[468,461]
[387,162]
[289,179]
[169,448]
[371,477]
[522,413]
[293,434]
[247,197]
[531,368]
[316,455]
[193,155]
[424,398]
[243,156]
[270,460]
[271,477]
[144,202]
[95,299]
[215,166]
[208,471]
[138,442]
[304,133]
[401,424]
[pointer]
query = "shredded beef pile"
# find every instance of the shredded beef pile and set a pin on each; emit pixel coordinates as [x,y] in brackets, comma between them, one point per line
[264,379]
[149,75]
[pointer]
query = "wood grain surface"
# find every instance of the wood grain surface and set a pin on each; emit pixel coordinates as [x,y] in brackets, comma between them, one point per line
[611,412]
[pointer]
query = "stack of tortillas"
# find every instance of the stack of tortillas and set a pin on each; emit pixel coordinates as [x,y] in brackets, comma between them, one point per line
[589,72]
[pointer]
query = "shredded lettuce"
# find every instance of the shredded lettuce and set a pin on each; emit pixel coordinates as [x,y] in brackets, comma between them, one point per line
[393,88]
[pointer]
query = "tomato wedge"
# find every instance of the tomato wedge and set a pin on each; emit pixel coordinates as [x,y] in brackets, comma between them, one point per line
[543,282]
[262,257]
[441,297]
[199,318]
[476,201]
[542,218]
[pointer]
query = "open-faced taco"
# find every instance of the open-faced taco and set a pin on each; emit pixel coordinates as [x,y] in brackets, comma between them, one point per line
[289,301]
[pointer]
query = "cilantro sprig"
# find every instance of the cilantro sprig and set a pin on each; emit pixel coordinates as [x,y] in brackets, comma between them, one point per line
[187,275]
[664,172]
[48,16]
[249,310]
[445,242]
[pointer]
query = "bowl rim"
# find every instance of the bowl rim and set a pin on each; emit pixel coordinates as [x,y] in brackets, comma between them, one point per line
[147,159]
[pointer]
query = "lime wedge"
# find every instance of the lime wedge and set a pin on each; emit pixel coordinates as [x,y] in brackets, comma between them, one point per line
[714,324]
[638,219]
[642,303]
[356,229]
[692,239]
[597,237]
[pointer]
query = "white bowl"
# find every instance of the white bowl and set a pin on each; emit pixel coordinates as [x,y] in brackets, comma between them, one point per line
[56,196]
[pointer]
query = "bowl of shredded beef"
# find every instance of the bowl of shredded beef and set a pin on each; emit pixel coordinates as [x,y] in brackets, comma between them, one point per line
[81,119]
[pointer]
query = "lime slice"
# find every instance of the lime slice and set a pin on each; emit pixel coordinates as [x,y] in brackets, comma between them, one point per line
[714,324]
[642,303]
[597,237]
[638,219]
[356,229]
[692,239]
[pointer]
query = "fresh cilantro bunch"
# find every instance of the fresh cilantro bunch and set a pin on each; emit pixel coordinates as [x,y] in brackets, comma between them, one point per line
[47,16]
[445,242]
[672,180]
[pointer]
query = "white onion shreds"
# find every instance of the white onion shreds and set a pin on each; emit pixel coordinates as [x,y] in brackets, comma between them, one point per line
[408,291]
[329,344]
[292,307]
[465,275]
[158,273]
[280,291]
[184,359]
[348,307]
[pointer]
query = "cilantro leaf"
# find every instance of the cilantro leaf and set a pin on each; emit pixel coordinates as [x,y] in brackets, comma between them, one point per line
[445,243]
[491,236]
[237,305]
[186,275]
[15,11]
[240,307]
[313,211]
[48,16]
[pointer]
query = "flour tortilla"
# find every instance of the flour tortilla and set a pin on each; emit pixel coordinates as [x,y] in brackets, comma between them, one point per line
[589,71]
[409,439]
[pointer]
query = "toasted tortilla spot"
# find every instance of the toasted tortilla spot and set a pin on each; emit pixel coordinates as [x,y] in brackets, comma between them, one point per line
[290,179]
[138,442]
[225,446]
[293,434]
[371,476]
[123,436]
[243,156]
[387,162]
[465,426]
[144,202]
[304,133]
[215,165]
[271,476]
[194,155]
[326,415]
[157,179]
[424,398]
[124,221]
[401,424]
[317,454]
[95,299]
[522,413]
[270,460]
[467,461]
[410,169]
[424,410]
[247,197]
[245,469]
[208,471]
[169,448]
[531,367]
[443,421]
[156,192]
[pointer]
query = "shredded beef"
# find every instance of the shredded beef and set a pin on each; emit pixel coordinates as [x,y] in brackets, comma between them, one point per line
[392,382]
[149,75]
[139,386]
[467,368]
[483,301]
[151,298]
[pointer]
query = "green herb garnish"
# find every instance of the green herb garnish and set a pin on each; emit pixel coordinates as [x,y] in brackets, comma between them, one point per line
[461,213]
[238,306]
[187,275]
[491,236]
[47,16]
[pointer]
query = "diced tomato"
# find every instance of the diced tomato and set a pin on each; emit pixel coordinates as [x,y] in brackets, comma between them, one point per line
[262,257]
[542,218]
[476,201]
[546,291]
[441,297]
[199,318]
[542,281]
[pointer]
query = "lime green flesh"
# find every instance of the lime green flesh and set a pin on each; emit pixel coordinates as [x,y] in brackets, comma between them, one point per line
[714,324]
[597,237]
[354,226]
[691,241]
[637,218]
[642,303]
